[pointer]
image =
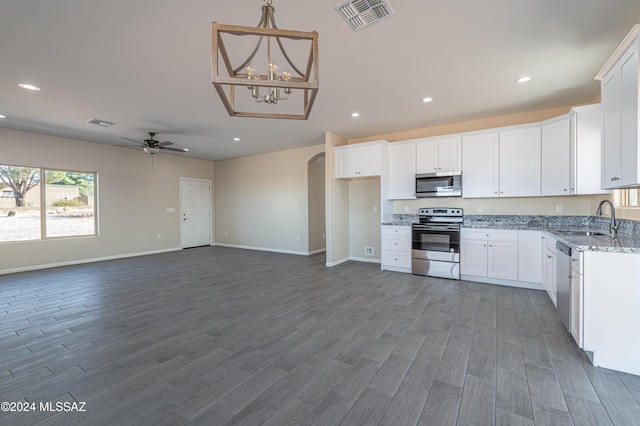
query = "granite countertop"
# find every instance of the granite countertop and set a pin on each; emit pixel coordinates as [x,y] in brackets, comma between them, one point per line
[627,240]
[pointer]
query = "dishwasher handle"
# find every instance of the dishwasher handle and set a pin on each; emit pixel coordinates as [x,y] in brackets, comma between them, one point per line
[563,248]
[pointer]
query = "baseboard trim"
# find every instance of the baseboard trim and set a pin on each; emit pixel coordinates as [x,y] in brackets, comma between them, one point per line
[337,262]
[509,283]
[81,261]
[299,253]
[364,259]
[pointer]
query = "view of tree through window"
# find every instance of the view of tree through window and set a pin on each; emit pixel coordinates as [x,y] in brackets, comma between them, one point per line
[19,203]
[65,199]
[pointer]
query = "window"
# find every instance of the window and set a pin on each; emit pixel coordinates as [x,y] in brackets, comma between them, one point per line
[629,197]
[60,205]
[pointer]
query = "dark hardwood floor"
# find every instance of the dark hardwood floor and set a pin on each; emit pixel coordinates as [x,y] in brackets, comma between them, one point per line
[219,335]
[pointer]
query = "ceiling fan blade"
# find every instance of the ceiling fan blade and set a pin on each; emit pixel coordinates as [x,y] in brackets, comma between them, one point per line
[174,149]
[165,143]
[131,140]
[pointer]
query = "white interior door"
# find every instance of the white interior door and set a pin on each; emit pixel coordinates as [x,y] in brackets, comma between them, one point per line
[195,212]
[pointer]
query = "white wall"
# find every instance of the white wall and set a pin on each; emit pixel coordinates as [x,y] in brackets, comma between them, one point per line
[261,200]
[132,198]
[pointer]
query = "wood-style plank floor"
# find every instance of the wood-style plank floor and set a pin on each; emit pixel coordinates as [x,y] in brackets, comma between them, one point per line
[218,335]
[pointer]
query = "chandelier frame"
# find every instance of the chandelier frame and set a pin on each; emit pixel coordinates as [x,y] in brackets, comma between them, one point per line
[220,61]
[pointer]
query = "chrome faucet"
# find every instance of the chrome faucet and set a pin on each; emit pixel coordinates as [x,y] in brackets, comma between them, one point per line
[613,227]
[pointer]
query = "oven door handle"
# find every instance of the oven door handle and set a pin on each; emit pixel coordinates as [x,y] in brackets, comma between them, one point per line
[435,228]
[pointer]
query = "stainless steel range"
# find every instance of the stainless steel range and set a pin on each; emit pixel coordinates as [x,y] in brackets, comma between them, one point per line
[436,243]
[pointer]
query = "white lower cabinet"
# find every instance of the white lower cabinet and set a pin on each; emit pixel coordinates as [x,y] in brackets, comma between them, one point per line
[396,248]
[611,310]
[530,256]
[576,320]
[490,253]
[549,268]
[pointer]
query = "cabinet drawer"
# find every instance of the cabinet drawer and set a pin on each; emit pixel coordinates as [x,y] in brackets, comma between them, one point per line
[396,258]
[399,244]
[396,232]
[489,234]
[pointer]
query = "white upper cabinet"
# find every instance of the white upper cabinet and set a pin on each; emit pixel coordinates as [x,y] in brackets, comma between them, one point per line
[359,160]
[402,170]
[620,99]
[480,155]
[520,162]
[502,164]
[556,157]
[439,155]
[586,150]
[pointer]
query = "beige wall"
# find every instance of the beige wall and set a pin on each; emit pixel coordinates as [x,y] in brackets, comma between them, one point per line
[579,205]
[134,192]
[261,200]
[316,182]
[470,125]
[364,218]
[337,205]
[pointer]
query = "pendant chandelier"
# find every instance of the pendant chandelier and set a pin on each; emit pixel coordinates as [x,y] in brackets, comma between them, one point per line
[256,86]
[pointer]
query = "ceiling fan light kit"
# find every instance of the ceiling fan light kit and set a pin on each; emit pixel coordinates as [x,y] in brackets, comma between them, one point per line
[246,80]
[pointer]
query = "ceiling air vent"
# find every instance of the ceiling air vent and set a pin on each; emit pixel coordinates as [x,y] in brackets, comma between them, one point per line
[362,13]
[99,122]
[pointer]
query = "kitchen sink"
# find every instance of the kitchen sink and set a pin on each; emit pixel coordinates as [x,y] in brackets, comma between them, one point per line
[583,233]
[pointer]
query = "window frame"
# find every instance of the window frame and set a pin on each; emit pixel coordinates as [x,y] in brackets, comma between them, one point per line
[43,204]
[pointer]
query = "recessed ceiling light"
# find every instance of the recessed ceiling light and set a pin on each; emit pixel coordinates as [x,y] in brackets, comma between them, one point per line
[3,116]
[427,99]
[236,139]
[523,79]
[355,114]
[29,87]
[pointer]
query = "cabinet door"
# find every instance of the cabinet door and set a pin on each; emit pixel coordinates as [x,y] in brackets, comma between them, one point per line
[427,156]
[586,150]
[480,166]
[629,118]
[556,158]
[502,259]
[577,302]
[450,154]
[550,278]
[346,162]
[530,256]
[611,129]
[402,171]
[473,257]
[370,160]
[520,162]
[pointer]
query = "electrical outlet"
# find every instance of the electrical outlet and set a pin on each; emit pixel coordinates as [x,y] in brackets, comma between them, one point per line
[559,208]
[298,237]
[375,209]
[159,236]
[480,209]
[226,232]
[368,251]
[406,209]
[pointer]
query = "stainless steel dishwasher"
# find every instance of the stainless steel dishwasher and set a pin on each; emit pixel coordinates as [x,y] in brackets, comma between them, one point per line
[563,281]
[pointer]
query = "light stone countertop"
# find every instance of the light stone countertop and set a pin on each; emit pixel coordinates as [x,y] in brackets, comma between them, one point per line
[627,240]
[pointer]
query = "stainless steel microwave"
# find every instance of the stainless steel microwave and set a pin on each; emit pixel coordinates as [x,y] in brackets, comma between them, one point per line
[443,184]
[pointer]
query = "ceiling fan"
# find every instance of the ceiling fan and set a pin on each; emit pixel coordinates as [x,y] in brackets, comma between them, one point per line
[152,146]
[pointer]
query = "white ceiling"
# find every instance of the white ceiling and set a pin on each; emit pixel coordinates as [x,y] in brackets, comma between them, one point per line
[145,65]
